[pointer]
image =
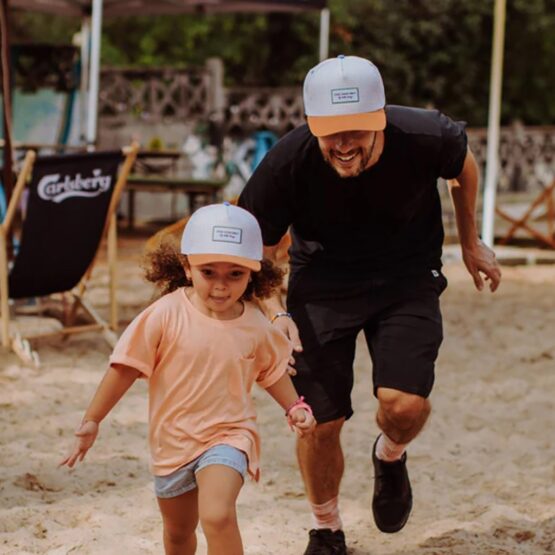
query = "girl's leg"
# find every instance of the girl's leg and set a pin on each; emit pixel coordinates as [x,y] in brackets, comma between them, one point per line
[180,515]
[218,488]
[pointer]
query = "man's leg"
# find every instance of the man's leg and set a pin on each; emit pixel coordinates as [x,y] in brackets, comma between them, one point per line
[321,461]
[329,323]
[404,343]
[321,464]
[401,415]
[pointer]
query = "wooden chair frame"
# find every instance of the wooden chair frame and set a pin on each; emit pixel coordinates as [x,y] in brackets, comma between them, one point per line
[20,344]
[546,196]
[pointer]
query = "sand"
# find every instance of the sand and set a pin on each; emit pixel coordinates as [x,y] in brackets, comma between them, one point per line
[482,470]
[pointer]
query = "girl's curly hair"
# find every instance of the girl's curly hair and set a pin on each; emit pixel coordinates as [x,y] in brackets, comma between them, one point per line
[164,268]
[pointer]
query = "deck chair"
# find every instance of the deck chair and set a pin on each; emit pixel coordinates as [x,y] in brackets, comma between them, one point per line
[70,209]
[542,207]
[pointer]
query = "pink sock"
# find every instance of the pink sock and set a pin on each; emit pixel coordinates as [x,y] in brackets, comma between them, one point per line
[326,515]
[387,450]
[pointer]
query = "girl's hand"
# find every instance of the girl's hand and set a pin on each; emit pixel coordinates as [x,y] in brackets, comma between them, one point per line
[302,421]
[86,436]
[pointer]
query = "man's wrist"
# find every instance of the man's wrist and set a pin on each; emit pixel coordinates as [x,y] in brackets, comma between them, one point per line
[91,419]
[281,314]
[471,243]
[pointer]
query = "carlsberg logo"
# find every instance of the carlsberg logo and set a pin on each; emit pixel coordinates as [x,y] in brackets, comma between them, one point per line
[51,187]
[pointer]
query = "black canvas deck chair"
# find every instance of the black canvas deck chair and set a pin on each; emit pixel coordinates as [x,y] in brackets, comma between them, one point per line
[69,209]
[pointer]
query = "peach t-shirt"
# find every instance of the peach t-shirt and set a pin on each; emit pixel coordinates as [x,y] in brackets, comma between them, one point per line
[201,372]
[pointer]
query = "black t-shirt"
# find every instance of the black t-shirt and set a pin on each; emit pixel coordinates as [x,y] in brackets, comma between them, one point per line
[386,221]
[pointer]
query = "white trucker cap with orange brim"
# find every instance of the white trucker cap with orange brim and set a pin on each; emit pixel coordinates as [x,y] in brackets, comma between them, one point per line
[344,94]
[223,233]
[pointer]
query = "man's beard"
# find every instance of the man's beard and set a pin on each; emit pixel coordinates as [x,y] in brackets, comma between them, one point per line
[364,157]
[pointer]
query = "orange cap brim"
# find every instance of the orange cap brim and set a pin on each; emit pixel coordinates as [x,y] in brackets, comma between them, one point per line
[199,259]
[320,126]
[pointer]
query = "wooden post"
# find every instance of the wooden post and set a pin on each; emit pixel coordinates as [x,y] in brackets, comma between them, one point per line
[5,229]
[216,91]
[4,306]
[112,259]
[8,176]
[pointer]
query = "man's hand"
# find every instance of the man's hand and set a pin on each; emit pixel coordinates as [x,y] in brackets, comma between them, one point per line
[289,328]
[302,421]
[86,435]
[480,259]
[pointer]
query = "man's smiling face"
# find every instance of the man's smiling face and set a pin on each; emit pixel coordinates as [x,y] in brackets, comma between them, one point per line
[349,152]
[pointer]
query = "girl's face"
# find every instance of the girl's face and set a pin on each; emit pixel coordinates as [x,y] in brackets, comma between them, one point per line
[217,288]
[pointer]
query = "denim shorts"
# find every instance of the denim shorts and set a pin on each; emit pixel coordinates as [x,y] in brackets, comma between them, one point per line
[183,479]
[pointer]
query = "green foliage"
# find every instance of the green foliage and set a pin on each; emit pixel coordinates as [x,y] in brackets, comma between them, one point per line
[257,50]
[431,52]
[36,27]
[438,52]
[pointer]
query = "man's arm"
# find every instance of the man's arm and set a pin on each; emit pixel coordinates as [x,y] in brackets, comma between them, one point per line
[274,305]
[478,258]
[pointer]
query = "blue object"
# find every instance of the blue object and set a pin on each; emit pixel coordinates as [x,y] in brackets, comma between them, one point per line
[3,207]
[3,212]
[263,142]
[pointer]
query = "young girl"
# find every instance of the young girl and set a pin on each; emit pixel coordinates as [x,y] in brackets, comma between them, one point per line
[201,346]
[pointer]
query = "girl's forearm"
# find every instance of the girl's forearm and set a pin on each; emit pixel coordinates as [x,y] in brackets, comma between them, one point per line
[283,391]
[111,389]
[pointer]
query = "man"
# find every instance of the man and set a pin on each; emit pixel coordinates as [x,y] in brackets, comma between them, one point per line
[358,189]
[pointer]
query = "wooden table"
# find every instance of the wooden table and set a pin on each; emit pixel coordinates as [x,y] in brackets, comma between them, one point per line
[193,188]
[157,162]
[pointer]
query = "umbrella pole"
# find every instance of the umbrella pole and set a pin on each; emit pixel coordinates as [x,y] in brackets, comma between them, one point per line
[94,74]
[324,45]
[494,116]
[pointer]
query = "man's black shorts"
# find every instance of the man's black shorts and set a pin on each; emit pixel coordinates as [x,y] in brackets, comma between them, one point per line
[402,323]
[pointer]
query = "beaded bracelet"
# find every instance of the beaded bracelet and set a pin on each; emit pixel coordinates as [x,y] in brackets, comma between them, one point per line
[278,314]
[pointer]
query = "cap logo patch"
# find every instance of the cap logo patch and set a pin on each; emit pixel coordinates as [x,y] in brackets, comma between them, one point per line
[222,234]
[345,96]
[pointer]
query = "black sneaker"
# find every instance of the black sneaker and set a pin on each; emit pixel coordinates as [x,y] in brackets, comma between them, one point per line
[326,542]
[392,500]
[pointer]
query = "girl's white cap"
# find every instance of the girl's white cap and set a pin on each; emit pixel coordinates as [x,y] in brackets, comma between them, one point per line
[223,233]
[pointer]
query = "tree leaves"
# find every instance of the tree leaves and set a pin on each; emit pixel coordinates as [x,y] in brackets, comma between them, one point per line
[430,52]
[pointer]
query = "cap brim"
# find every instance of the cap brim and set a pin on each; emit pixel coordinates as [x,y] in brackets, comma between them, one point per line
[320,126]
[199,259]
